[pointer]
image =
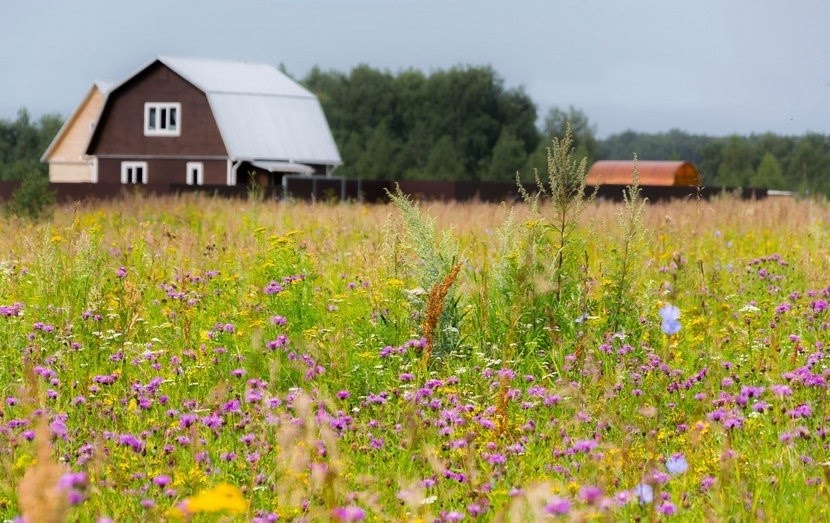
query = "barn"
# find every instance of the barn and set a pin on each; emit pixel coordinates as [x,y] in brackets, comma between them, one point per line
[652,173]
[193,121]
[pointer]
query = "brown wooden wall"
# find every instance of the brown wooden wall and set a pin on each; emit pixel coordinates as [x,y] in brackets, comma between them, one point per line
[164,170]
[119,134]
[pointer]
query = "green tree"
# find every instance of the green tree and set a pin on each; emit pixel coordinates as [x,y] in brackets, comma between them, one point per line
[444,163]
[509,156]
[769,174]
[33,199]
[381,157]
[468,105]
[808,164]
[736,163]
[584,133]
[23,142]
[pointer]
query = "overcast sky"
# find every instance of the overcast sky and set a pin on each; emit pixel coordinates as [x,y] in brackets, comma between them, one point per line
[704,66]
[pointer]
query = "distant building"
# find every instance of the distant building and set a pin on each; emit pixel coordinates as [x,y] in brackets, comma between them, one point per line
[652,173]
[66,155]
[202,122]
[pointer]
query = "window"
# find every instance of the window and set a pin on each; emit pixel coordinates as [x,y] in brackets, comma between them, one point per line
[133,172]
[162,119]
[195,173]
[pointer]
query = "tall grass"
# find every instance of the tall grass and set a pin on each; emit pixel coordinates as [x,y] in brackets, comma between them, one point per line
[193,358]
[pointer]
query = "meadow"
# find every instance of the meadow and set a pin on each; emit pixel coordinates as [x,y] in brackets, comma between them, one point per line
[198,359]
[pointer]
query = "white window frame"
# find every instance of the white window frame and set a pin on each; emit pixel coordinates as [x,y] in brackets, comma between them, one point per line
[199,168]
[128,172]
[159,108]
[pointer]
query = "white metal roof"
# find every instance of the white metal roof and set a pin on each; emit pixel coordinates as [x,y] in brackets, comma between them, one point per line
[262,114]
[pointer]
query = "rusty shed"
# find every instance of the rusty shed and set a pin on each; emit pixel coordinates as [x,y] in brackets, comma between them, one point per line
[652,173]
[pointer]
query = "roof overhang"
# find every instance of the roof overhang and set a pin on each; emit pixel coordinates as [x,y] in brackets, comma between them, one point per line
[283,167]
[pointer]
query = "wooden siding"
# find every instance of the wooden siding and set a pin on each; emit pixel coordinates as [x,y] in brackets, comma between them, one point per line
[67,155]
[162,171]
[70,172]
[119,135]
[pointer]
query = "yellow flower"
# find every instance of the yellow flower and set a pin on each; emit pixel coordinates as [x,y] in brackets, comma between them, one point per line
[221,498]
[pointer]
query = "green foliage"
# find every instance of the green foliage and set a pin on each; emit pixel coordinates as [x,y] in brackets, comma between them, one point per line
[22,142]
[443,162]
[508,156]
[735,161]
[430,262]
[387,125]
[621,299]
[240,352]
[33,198]
[584,141]
[769,173]
[555,252]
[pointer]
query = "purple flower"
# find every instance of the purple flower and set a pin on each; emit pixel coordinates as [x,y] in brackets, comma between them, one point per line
[558,506]
[667,508]
[273,288]
[348,513]
[671,319]
[161,480]
[590,494]
[121,272]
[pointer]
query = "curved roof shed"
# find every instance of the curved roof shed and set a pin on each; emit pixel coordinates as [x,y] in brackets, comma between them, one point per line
[652,173]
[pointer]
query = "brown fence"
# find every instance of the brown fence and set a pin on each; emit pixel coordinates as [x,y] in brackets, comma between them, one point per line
[366,190]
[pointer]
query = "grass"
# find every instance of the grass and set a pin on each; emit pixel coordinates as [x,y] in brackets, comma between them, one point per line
[199,359]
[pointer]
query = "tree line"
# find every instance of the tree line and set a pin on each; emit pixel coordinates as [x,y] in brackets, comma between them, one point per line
[23,141]
[465,124]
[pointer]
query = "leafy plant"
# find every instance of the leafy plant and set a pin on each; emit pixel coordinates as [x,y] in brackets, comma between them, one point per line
[620,300]
[33,199]
[433,262]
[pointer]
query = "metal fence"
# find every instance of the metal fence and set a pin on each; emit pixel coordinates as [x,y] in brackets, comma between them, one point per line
[373,191]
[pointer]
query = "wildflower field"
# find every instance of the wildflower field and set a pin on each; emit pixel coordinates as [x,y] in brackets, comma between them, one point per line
[199,359]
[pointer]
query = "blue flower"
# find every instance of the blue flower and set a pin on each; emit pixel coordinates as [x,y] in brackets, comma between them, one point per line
[671,319]
[644,493]
[677,464]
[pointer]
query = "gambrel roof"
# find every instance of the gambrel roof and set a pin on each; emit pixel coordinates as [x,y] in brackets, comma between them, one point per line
[261,113]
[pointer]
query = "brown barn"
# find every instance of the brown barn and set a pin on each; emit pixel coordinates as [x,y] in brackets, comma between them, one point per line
[195,121]
[652,173]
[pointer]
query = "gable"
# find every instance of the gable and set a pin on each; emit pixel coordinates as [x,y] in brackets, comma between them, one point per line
[70,143]
[121,128]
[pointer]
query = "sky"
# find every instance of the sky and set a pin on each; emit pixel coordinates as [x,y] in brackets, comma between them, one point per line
[714,67]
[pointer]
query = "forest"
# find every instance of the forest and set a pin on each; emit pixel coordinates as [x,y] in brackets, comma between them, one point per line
[464,123]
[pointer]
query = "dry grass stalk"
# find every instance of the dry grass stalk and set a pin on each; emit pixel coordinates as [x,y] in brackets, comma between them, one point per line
[39,494]
[435,305]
